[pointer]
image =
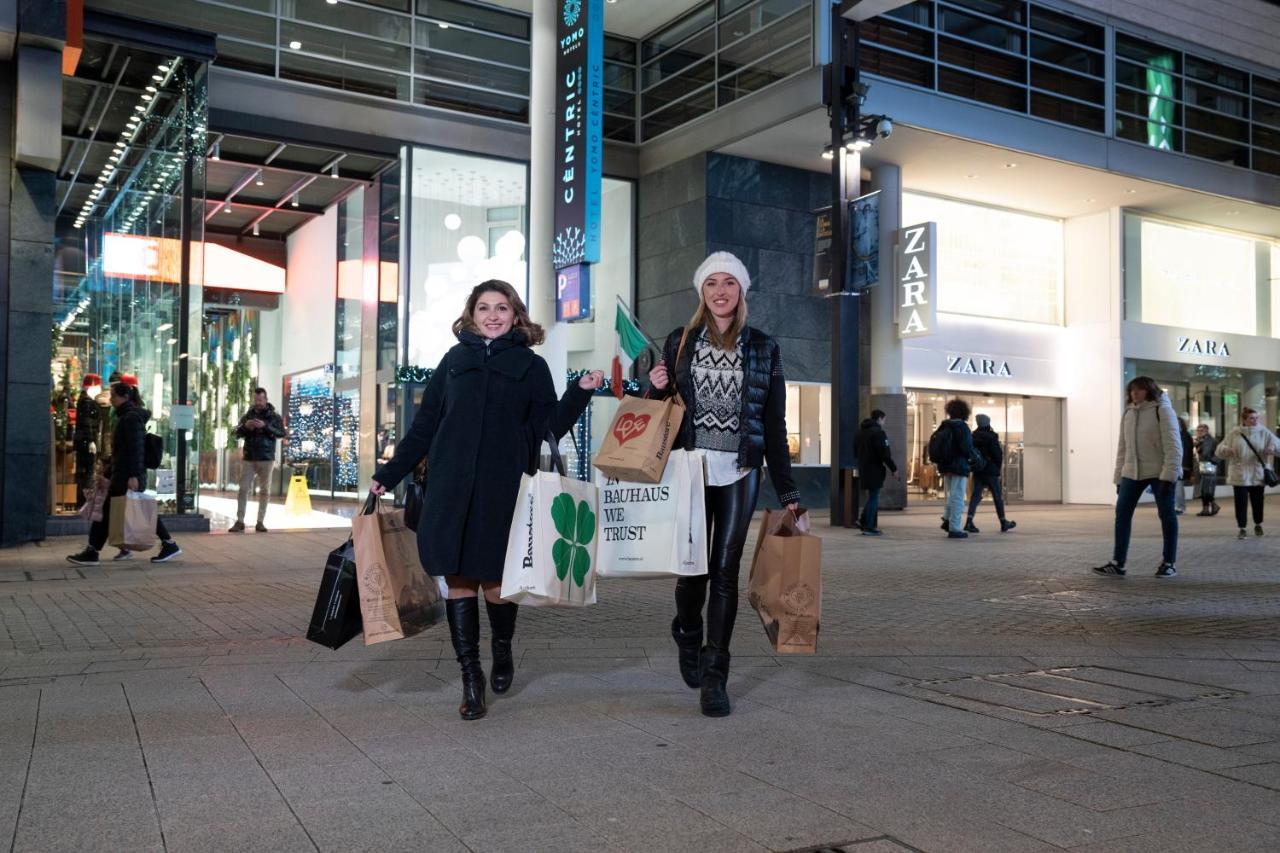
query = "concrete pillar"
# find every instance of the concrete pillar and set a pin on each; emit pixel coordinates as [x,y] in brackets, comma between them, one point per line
[887,392]
[1255,391]
[542,127]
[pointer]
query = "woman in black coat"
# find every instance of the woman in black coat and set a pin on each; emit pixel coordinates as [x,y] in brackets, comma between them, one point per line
[729,376]
[483,417]
[128,473]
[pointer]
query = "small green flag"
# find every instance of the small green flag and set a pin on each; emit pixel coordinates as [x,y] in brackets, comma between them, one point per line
[631,341]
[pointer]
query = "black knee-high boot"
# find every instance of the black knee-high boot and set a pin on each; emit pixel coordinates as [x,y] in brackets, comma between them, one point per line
[464,630]
[686,628]
[502,623]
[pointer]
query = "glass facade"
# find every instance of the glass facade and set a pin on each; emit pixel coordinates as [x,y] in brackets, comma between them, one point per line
[127,287]
[1213,394]
[1030,430]
[1031,59]
[717,53]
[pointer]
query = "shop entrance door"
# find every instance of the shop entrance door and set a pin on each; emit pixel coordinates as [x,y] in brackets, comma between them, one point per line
[1041,448]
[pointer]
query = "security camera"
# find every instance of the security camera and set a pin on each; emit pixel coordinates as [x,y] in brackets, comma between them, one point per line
[884,127]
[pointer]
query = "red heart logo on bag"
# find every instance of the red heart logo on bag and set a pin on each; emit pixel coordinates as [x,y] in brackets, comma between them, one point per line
[629,426]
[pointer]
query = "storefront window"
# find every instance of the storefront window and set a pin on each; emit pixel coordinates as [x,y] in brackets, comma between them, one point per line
[993,262]
[808,423]
[467,225]
[1196,278]
[1211,394]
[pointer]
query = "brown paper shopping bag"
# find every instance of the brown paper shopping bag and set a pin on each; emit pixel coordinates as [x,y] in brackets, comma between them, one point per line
[785,586]
[397,598]
[133,522]
[639,440]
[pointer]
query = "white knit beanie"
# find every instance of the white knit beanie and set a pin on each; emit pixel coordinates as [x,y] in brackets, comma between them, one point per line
[725,262]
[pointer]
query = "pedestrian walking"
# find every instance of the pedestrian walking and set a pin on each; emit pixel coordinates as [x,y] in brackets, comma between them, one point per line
[986,442]
[128,473]
[1250,450]
[874,458]
[729,376]
[260,426]
[1188,466]
[1149,456]
[480,426]
[951,450]
[1206,445]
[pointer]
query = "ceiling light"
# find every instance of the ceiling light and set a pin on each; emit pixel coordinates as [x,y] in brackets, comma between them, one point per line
[255,225]
[159,78]
[146,97]
[332,2]
[164,327]
[217,152]
[226,209]
[1130,192]
[1090,200]
[452,221]
[295,45]
[258,181]
[828,154]
[171,341]
[1233,213]
[334,173]
[1011,165]
[294,203]
[164,68]
[151,89]
[443,25]
[971,176]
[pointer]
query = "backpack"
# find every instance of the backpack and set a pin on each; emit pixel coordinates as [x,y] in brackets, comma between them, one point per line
[152,450]
[942,445]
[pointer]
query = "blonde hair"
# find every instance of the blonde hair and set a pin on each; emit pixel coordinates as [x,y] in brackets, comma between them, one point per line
[704,319]
[533,333]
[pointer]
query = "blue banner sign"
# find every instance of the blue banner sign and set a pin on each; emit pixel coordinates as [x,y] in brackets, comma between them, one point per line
[579,117]
[573,293]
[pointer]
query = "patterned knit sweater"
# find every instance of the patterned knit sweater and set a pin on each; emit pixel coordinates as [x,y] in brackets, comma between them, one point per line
[717,387]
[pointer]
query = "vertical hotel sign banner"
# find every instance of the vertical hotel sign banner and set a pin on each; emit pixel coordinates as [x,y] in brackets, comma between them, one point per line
[579,113]
[916,271]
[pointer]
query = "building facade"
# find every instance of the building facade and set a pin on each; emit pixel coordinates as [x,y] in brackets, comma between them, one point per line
[297,194]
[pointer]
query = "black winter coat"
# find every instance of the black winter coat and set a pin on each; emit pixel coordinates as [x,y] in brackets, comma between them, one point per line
[482,420]
[962,464]
[128,447]
[86,422]
[260,444]
[763,420]
[987,442]
[1188,454]
[872,448]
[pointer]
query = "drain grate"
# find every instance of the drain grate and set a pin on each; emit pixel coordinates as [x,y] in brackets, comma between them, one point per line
[1065,691]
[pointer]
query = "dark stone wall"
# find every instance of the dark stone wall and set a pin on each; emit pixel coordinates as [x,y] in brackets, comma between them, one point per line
[764,214]
[26,318]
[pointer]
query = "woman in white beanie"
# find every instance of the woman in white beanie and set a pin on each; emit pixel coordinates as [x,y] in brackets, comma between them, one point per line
[729,376]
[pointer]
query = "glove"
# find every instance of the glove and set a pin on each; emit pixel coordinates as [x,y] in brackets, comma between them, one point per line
[93,447]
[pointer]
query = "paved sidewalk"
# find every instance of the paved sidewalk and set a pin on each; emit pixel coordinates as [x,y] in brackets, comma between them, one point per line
[984,695]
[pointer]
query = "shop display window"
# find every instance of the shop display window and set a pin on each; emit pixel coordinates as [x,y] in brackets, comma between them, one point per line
[809,423]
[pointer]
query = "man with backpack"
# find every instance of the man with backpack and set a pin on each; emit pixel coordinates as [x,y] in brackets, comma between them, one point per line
[951,450]
[986,442]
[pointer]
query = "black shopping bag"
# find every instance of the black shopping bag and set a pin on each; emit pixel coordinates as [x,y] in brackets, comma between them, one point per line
[336,617]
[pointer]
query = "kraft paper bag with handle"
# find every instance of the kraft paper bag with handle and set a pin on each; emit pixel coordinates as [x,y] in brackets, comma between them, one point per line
[133,522]
[660,530]
[551,547]
[397,598]
[785,585]
[639,441]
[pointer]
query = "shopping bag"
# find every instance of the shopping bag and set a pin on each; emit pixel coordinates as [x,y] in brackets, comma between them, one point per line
[94,501]
[551,546]
[133,522]
[414,498]
[639,440]
[658,530]
[397,598]
[336,616]
[785,585]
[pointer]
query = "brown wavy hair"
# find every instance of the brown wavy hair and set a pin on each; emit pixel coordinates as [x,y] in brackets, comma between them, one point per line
[1146,383]
[703,318]
[533,333]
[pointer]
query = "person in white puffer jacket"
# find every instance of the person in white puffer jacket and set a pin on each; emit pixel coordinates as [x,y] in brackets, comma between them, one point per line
[1247,469]
[1149,455]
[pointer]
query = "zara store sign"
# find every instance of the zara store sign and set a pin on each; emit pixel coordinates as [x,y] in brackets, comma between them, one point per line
[916,265]
[975,365]
[1203,346]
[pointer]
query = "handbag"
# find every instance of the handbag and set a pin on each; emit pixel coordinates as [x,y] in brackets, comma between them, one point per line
[414,498]
[1269,478]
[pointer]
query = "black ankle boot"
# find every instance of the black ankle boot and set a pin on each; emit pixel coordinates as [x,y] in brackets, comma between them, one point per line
[689,644]
[464,630]
[715,675]
[502,622]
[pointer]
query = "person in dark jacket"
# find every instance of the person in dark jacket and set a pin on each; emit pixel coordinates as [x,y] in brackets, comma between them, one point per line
[987,444]
[874,457]
[729,376]
[128,474]
[84,439]
[1188,467]
[1206,445]
[260,427]
[955,470]
[483,417]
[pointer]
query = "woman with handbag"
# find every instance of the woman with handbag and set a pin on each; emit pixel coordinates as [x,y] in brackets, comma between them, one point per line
[480,425]
[729,377]
[1206,444]
[1250,449]
[128,473]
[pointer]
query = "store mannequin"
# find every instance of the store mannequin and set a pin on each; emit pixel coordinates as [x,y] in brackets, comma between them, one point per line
[84,439]
[105,414]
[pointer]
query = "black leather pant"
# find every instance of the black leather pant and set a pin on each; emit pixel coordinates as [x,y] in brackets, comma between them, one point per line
[729,510]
